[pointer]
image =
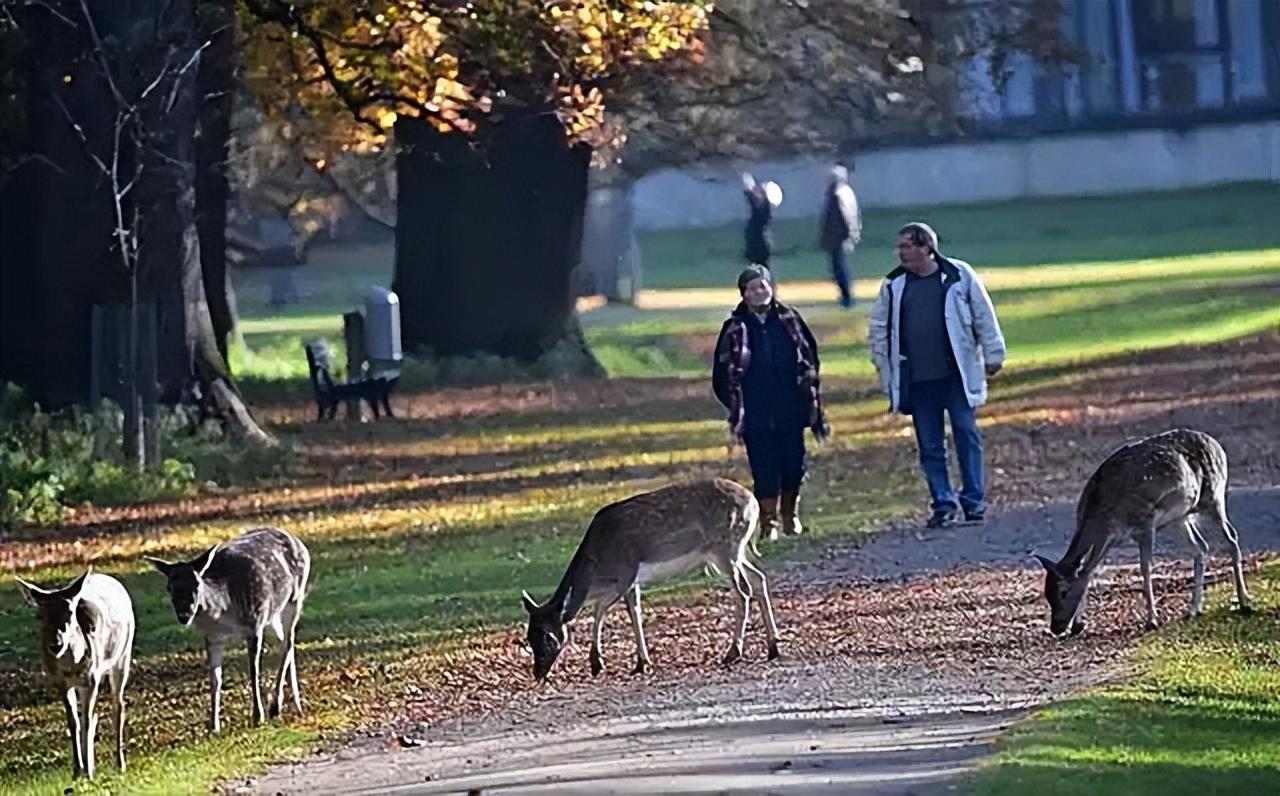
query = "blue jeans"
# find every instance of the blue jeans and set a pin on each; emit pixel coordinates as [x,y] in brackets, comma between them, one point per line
[929,399]
[840,273]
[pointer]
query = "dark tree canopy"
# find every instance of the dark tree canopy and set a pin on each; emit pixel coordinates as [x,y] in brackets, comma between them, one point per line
[805,76]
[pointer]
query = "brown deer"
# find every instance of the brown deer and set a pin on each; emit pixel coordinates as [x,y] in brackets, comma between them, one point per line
[654,535]
[1175,480]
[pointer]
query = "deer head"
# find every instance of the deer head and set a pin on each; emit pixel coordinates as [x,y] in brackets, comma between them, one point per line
[59,633]
[1066,593]
[548,634]
[186,582]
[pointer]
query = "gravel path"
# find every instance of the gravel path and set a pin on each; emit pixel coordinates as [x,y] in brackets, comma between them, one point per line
[904,657]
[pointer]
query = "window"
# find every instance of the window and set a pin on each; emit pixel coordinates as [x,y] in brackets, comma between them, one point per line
[1182,60]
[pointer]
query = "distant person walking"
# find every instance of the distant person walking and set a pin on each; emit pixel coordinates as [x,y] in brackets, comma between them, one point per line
[935,339]
[762,199]
[840,230]
[765,373]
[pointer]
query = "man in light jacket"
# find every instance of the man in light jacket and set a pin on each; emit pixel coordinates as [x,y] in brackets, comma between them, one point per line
[934,340]
[840,230]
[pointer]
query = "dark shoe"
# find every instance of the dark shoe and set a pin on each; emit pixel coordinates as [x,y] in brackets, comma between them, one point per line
[942,518]
[790,516]
[975,517]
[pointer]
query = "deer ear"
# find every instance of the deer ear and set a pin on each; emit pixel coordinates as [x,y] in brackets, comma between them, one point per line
[201,562]
[529,604]
[72,590]
[1049,566]
[31,592]
[160,564]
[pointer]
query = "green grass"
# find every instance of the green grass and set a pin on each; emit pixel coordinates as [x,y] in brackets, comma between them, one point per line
[1238,217]
[1050,314]
[1071,239]
[424,530]
[1201,716]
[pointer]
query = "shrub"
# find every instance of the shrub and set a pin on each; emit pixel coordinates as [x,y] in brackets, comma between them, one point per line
[50,461]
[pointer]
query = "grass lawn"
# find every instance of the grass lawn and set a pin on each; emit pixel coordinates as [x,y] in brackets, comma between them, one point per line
[423,531]
[1131,238]
[1201,716]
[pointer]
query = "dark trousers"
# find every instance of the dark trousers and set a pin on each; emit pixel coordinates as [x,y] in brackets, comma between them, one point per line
[777,461]
[840,273]
[929,399]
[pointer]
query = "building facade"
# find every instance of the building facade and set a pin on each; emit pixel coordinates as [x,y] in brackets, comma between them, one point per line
[1165,94]
[1144,62]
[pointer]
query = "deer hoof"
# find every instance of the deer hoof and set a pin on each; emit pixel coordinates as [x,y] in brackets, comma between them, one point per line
[1245,609]
[732,656]
[1151,625]
[274,710]
[773,651]
[597,665]
[640,668]
[1077,627]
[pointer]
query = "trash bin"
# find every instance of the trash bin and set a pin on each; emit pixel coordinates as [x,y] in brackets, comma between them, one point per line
[382,332]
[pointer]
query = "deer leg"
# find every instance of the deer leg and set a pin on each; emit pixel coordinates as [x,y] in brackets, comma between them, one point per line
[1146,542]
[761,589]
[71,703]
[288,620]
[255,673]
[119,679]
[597,630]
[215,651]
[89,725]
[293,657]
[742,590]
[632,598]
[1233,538]
[1197,567]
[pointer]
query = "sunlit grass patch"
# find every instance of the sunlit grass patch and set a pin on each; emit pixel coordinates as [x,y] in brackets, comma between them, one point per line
[1202,716]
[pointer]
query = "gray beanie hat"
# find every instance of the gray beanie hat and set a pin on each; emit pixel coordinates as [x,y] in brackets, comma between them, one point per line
[752,272]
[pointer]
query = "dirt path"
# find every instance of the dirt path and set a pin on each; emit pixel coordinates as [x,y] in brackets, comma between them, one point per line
[916,650]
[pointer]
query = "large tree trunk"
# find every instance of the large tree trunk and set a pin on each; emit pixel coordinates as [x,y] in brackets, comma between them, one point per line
[485,247]
[56,221]
[171,255]
[71,254]
[215,20]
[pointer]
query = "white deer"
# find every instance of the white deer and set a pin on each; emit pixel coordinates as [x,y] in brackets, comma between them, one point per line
[86,636]
[654,535]
[1170,481]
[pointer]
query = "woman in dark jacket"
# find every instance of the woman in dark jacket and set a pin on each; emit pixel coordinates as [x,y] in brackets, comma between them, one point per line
[762,198]
[766,374]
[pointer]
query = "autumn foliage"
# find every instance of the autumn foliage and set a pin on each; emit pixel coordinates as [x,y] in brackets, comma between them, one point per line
[345,71]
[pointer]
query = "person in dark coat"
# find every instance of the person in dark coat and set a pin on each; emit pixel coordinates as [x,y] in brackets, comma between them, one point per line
[766,373]
[840,230]
[762,198]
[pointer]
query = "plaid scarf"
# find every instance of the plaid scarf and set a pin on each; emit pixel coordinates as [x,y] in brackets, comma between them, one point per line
[806,368]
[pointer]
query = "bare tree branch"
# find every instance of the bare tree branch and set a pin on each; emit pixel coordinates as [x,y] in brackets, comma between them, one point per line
[100,51]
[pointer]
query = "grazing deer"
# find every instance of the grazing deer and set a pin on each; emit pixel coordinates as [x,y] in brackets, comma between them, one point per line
[86,635]
[654,535]
[235,591]
[1173,480]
